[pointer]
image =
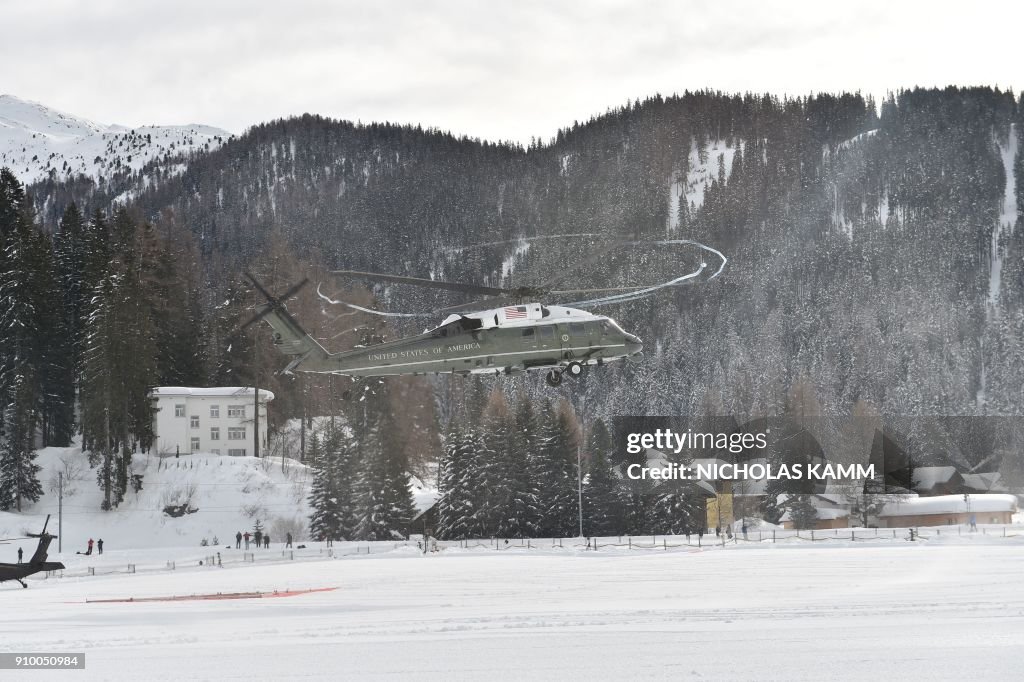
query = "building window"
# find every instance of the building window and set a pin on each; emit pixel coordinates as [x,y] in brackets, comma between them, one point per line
[214,433]
[195,421]
[236,433]
[237,411]
[179,410]
[195,445]
[237,453]
[214,411]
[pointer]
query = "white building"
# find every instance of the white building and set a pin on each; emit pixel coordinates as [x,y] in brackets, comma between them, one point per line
[214,420]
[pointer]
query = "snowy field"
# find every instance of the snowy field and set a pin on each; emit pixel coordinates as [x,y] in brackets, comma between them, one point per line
[945,608]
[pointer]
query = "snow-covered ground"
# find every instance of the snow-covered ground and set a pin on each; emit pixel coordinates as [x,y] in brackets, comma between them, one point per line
[228,494]
[946,608]
[35,140]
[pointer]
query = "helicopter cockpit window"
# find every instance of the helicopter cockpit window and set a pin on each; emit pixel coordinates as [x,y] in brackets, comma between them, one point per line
[610,326]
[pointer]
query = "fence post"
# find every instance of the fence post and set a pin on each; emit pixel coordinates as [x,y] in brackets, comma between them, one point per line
[773,536]
[812,535]
[852,538]
[92,570]
[528,544]
[630,539]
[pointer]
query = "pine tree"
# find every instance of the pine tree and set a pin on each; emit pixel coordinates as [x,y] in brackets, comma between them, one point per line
[602,508]
[383,498]
[802,512]
[19,474]
[119,360]
[325,518]
[555,468]
[521,514]
[455,502]
[29,317]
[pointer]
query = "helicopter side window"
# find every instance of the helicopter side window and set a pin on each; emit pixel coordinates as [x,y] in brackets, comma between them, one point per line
[528,335]
[606,328]
[547,334]
[577,329]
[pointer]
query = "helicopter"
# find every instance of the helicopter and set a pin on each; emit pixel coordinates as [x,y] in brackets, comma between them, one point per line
[38,562]
[508,338]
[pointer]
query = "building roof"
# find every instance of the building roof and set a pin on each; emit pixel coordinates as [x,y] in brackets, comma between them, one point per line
[215,391]
[951,504]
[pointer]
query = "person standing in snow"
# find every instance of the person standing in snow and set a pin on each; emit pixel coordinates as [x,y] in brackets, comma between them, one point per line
[99,546]
[88,550]
[288,540]
[258,536]
[238,540]
[246,536]
[19,555]
[266,541]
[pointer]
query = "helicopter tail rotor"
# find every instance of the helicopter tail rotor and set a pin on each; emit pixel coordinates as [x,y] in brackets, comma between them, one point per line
[289,337]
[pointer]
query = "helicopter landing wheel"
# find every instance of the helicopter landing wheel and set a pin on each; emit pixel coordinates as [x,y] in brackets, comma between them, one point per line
[554,378]
[574,369]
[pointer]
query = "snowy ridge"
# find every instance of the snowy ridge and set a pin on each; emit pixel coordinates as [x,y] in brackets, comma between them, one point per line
[700,175]
[36,140]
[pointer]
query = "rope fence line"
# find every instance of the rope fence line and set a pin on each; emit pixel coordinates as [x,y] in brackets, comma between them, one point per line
[694,543]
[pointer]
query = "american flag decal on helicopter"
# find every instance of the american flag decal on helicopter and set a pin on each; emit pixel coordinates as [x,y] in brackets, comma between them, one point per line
[515,312]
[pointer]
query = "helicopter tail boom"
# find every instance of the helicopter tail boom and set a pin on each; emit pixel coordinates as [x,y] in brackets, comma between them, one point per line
[292,340]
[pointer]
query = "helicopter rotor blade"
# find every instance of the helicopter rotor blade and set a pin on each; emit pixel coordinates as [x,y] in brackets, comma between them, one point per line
[274,303]
[575,268]
[426,283]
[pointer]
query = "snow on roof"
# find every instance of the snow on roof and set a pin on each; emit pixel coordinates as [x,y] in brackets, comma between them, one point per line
[929,477]
[951,504]
[215,391]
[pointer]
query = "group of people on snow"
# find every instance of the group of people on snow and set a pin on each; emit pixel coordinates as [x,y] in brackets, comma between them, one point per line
[259,538]
[89,546]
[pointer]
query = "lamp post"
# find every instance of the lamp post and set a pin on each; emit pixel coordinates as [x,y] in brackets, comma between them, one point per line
[579,484]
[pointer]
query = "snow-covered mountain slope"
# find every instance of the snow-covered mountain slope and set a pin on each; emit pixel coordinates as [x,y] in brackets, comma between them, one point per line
[36,140]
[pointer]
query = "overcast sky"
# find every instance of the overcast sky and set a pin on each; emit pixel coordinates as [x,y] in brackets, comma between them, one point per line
[497,70]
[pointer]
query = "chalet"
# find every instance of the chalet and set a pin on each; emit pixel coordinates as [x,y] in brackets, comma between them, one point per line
[210,420]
